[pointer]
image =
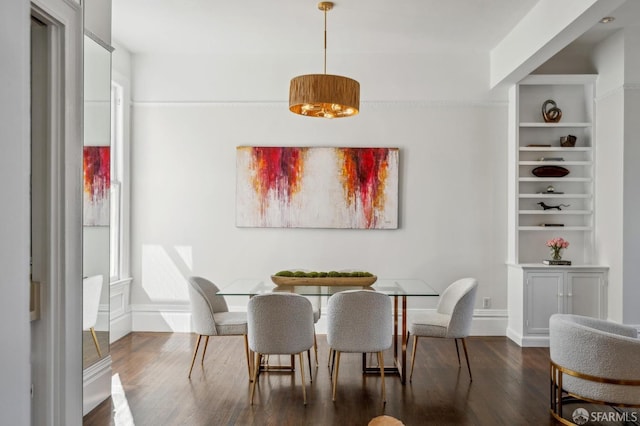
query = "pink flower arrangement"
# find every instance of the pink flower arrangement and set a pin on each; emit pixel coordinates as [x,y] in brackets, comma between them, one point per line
[557,244]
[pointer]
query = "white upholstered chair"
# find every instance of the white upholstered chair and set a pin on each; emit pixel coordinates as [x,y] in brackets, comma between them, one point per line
[359,321]
[452,319]
[593,360]
[91,290]
[211,317]
[279,324]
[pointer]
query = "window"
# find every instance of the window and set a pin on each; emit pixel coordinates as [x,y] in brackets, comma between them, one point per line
[117,236]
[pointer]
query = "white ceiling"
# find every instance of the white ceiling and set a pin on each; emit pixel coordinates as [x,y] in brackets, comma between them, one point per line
[296,26]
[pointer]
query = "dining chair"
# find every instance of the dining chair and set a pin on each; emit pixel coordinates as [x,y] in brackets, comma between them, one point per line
[451,320]
[279,324]
[359,321]
[91,291]
[211,317]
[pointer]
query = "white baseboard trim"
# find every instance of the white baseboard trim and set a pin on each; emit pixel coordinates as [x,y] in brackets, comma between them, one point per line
[528,341]
[177,318]
[96,384]
[120,327]
[161,318]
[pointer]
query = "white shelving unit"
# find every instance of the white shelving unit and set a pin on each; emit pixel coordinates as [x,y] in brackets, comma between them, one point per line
[530,225]
[536,291]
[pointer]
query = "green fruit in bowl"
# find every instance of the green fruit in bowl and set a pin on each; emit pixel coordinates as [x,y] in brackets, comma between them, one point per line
[284,274]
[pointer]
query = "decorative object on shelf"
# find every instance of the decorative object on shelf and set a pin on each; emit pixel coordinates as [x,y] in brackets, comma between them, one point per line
[556,245]
[551,159]
[324,95]
[547,207]
[550,111]
[551,224]
[568,141]
[550,171]
[539,145]
[557,262]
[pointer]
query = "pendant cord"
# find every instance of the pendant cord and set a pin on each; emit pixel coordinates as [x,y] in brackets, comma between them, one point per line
[325,40]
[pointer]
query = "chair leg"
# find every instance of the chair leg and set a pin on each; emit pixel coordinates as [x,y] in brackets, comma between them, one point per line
[246,353]
[315,345]
[335,378]
[255,375]
[329,358]
[304,386]
[458,352]
[381,362]
[204,351]
[464,346]
[195,352]
[95,341]
[413,355]
[310,372]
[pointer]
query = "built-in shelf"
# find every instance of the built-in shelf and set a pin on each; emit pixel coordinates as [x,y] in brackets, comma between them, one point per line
[556,212]
[554,179]
[551,125]
[554,228]
[554,163]
[555,149]
[554,195]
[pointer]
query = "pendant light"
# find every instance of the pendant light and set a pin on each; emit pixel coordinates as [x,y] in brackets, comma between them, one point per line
[324,95]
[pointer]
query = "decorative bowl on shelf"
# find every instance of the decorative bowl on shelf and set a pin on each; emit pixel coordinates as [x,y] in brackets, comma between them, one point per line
[568,141]
[550,171]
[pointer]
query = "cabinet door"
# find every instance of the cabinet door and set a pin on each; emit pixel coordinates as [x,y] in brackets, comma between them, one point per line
[544,298]
[585,294]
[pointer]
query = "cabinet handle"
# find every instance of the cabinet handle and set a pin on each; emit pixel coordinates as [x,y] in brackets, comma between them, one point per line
[570,295]
[560,295]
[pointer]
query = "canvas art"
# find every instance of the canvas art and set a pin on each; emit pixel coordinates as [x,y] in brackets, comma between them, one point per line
[97,181]
[317,187]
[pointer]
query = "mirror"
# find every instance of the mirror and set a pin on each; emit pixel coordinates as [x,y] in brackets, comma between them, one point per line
[96,188]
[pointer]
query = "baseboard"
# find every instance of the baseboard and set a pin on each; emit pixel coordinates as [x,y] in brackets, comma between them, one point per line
[96,384]
[120,327]
[528,341]
[161,318]
[177,318]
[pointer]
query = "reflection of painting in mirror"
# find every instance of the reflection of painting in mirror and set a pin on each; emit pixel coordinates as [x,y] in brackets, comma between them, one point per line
[317,187]
[96,185]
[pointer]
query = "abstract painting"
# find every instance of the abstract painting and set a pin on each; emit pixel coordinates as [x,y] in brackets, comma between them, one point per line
[97,181]
[317,187]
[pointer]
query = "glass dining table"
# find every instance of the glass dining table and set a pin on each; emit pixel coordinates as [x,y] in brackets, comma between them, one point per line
[399,289]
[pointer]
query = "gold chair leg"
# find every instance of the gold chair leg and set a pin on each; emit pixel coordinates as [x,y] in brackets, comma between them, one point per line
[304,386]
[195,352]
[206,343]
[256,367]
[381,362]
[315,346]
[95,341]
[335,378]
[310,370]
[246,352]
[464,346]
[458,352]
[413,355]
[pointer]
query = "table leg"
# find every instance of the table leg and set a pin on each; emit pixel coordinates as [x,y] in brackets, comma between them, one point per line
[403,374]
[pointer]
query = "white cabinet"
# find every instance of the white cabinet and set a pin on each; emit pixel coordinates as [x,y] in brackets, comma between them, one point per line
[536,292]
[534,143]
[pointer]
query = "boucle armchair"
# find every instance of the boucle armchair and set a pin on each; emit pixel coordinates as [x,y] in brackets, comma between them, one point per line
[211,317]
[278,324]
[452,319]
[359,321]
[593,360]
[91,291]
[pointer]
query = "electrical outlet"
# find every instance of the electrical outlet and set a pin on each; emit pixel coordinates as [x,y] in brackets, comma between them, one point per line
[486,302]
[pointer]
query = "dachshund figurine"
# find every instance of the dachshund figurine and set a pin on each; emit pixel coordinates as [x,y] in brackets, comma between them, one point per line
[558,207]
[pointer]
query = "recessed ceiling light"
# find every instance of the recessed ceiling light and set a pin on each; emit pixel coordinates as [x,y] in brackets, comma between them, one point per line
[607,20]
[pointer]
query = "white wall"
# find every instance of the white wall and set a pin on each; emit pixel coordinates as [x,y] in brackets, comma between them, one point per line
[189,114]
[14,215]
[617,191]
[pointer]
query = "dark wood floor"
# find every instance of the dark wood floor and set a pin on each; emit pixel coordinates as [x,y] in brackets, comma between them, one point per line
[510,386]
